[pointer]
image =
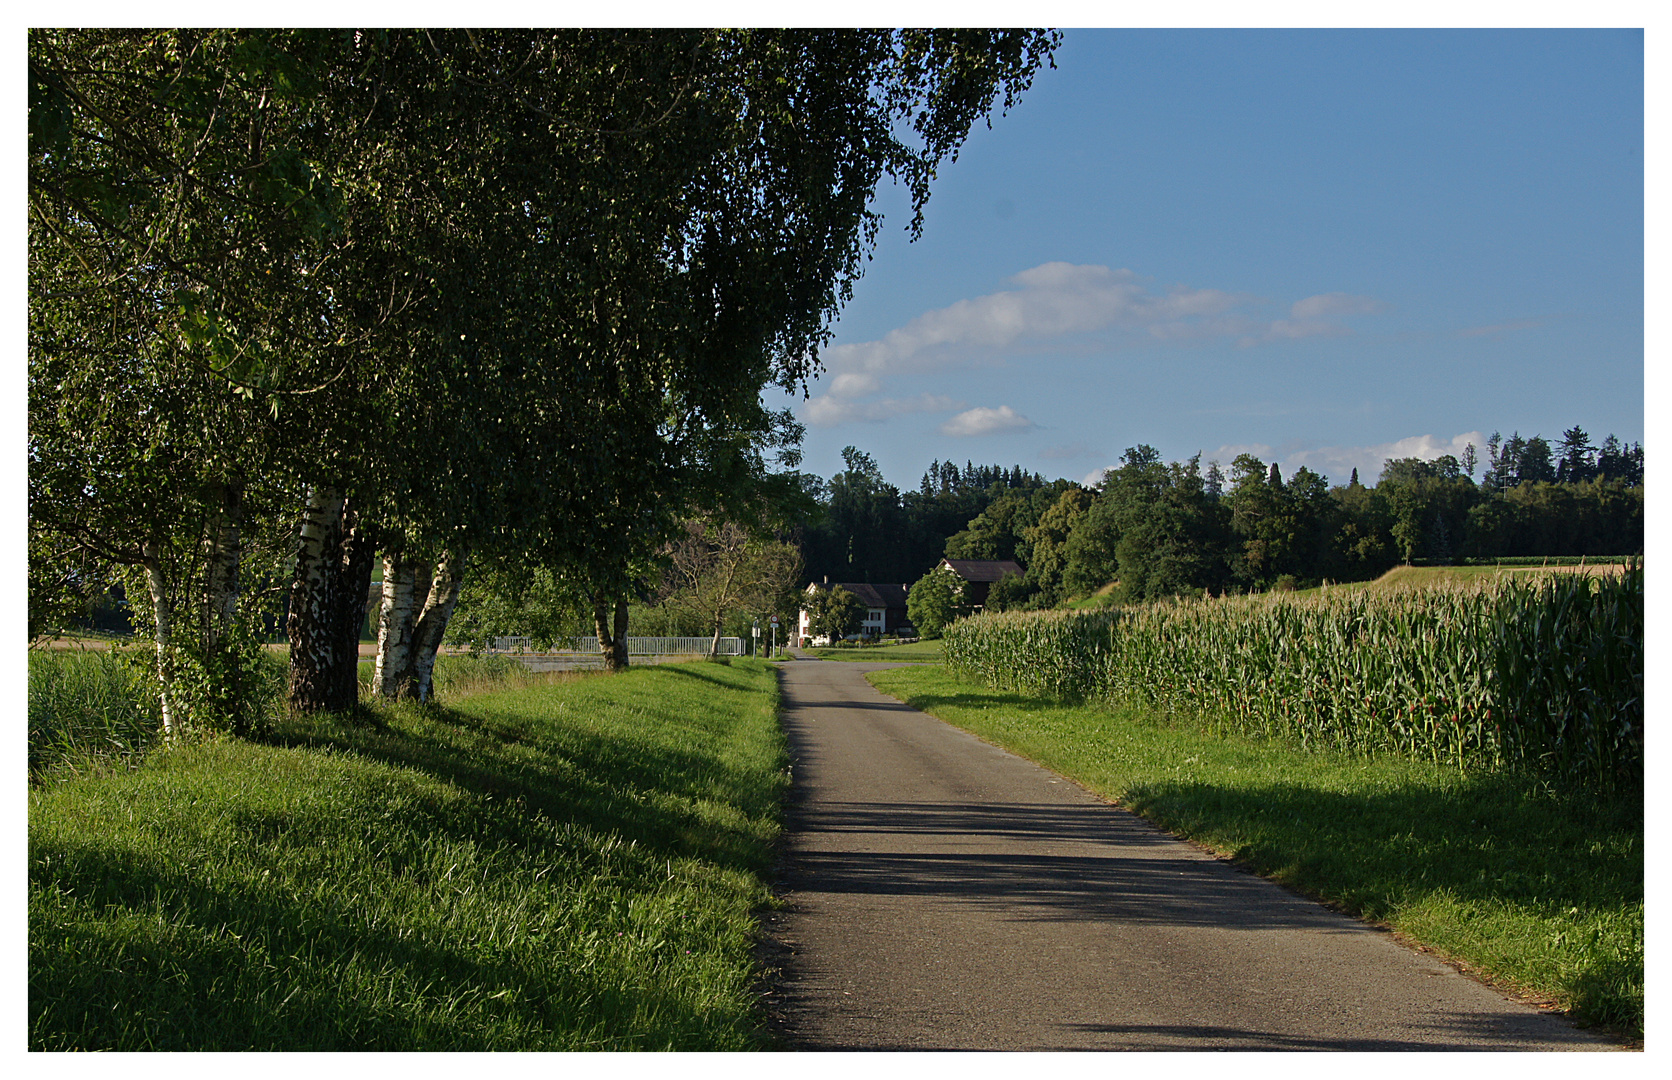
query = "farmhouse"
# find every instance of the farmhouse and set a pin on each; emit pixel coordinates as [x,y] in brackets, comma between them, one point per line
[885,608]
[979,575]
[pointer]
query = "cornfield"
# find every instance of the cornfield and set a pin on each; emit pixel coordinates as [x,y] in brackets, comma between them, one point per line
[1545,673]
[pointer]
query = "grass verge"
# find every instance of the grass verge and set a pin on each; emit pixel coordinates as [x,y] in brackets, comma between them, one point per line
[571,864]
[918,652]
[1540,893]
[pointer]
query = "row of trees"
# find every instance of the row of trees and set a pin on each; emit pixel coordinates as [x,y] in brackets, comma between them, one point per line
[493,306]
[1515,461]
[1162,529]
[866,529]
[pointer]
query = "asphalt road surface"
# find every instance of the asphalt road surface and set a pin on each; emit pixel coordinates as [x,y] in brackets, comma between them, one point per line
[943,894]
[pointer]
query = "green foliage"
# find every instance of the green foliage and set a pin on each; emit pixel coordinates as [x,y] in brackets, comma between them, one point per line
[866,530]
[1538,890]
[511,600]
[1544,675]
[1012,592]
[230,686]
[833,612]
[1155,529]
[934,600]
[723,570]
[509,291]
[1047,543]
[569,866]
[1430,502]
[1000,531]
[1596,516]
[218,679]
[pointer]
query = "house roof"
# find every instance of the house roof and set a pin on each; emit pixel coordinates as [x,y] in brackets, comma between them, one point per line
[984,569]
[877,596]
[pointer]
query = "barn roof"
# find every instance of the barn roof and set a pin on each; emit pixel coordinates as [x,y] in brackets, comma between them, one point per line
[878,596]
[984,569]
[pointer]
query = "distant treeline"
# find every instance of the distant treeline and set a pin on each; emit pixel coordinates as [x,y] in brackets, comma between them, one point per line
[1162,529]
[869,530]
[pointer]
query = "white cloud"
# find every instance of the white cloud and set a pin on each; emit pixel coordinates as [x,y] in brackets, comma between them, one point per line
[1338,462]
[828,411]
[1288,329]
[851,384]
[985,421]
[1227,454]
[1058,303]
[1053,300]
[1095,477]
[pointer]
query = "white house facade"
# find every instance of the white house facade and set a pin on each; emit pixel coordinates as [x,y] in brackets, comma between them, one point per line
[885,610]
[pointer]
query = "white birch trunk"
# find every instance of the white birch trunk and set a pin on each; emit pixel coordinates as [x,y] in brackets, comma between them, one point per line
[393,669]
[313,644]
[158,588]
[432,623]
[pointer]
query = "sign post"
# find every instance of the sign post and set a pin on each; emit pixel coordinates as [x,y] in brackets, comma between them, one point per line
[774,647]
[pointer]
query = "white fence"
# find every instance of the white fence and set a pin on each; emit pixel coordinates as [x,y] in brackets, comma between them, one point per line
[636,646]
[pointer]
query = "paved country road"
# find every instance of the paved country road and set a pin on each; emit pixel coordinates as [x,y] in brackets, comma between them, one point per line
[943,894]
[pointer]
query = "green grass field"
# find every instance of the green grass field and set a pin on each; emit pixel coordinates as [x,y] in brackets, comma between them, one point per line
[570,864]
[918,652]
[1540,894]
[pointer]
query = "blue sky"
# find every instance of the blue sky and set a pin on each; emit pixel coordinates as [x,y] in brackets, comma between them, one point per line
[1321,247]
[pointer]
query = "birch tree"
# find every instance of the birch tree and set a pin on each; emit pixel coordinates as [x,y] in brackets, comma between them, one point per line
[174,217]
[463,296]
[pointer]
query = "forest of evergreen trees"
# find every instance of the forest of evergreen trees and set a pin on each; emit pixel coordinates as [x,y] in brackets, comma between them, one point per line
[1166,528]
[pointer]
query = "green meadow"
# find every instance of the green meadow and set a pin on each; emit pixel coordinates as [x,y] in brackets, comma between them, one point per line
[564,863]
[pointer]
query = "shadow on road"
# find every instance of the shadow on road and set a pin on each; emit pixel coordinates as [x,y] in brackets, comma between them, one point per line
[1098,872]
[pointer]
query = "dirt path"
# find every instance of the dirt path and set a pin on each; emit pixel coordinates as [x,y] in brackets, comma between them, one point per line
[943,894]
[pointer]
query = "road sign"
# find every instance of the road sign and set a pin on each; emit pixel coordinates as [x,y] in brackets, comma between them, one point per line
[774,620]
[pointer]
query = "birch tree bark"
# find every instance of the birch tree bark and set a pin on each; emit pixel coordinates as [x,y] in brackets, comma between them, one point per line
[405,582]
[358,557]
[161,606]
[313,624]
[431,626]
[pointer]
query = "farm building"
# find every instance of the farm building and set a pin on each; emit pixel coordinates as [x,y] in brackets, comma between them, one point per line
[979,575]
[885,608]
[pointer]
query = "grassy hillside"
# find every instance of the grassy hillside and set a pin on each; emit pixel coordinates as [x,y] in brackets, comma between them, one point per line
[565,865]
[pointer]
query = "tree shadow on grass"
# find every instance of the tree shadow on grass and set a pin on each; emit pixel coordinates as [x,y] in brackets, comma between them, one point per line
[648,791]
[975,699]
[1487,842]
[154,957]
[133,950]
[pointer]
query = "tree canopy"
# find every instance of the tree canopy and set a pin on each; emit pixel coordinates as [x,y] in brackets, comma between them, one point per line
[457,298]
